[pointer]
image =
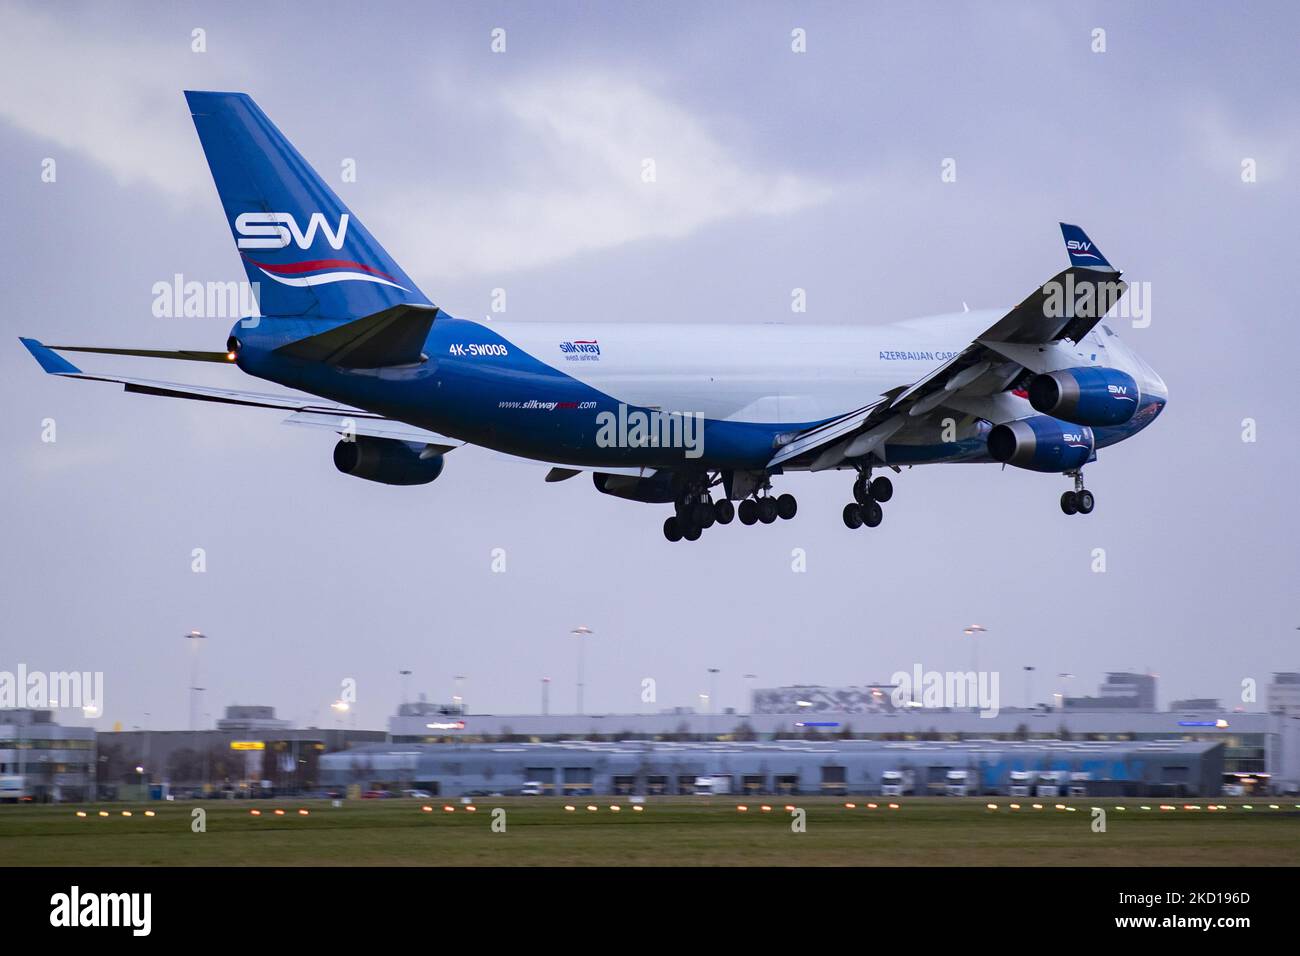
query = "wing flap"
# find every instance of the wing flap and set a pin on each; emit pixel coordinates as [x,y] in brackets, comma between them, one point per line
[344,420]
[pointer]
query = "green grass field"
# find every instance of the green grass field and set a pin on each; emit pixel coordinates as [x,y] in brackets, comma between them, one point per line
[669,831]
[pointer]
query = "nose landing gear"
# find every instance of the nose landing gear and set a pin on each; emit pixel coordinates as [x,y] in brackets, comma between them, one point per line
[1080,500]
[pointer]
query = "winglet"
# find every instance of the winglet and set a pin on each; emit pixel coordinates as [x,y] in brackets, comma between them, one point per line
[1082,250]
[51,361]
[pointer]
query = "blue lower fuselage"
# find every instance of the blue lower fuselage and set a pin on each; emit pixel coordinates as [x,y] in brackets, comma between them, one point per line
[560,394]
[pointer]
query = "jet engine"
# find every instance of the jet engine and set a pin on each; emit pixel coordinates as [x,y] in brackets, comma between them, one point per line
[387,460]
[1041,443]
[1086,396]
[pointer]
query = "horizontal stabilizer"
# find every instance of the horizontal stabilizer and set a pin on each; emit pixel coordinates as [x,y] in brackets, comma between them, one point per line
[183,355]
[395,336]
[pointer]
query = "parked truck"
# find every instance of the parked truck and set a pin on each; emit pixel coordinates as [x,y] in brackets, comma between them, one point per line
[1049,783]
[897,783]
[962,783]
[709,786]
[1021,783]
[13,787]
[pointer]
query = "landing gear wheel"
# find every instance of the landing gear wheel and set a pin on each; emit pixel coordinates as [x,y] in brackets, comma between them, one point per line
[724,511]
[861,493]
[766,510]
[786,506]
[748,511]
[1084,501]
[703,514]
[672,529]
[691,532]
[872,514]
[1069,502]
[853,515]
[882,489]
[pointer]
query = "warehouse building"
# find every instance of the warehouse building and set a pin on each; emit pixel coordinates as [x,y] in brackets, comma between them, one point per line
[1171,768]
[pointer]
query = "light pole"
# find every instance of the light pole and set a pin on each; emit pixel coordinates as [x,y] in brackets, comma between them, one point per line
[546,696]
[194,637]
[1029,692]
[749,682]
[458,699]
[582,632]
[1065,677]
[406,682]
[713,688]
[972,631]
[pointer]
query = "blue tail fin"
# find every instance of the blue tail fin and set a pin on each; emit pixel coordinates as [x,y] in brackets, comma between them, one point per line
[306,253]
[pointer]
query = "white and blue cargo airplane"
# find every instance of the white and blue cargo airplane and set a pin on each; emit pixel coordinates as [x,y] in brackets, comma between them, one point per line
[1042,386]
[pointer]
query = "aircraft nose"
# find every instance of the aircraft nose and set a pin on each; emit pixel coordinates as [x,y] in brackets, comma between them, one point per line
[1155,386]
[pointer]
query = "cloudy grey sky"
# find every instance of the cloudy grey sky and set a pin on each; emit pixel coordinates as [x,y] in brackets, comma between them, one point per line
[777,170]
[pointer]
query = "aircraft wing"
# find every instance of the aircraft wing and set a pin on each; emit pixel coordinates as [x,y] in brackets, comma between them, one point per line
[306,410]
[976,380]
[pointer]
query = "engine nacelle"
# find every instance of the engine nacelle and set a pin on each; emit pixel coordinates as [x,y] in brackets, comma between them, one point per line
[387,460]
[1041,443]
[654,489]
[1086,396]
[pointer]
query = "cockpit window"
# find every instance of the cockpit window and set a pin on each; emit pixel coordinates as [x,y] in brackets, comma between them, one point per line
[1106,329]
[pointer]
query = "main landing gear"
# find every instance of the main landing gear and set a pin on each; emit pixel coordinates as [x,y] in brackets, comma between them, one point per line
[868,495]
[695,511]
[1080,500]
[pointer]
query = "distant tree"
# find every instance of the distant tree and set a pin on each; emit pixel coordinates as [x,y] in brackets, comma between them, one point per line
[1021,732]
[846,732]
[185,765]
[744,731]
[1064,732]
[113,766]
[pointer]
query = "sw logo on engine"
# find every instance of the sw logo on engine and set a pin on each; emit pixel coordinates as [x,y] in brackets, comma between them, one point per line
[275,230]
